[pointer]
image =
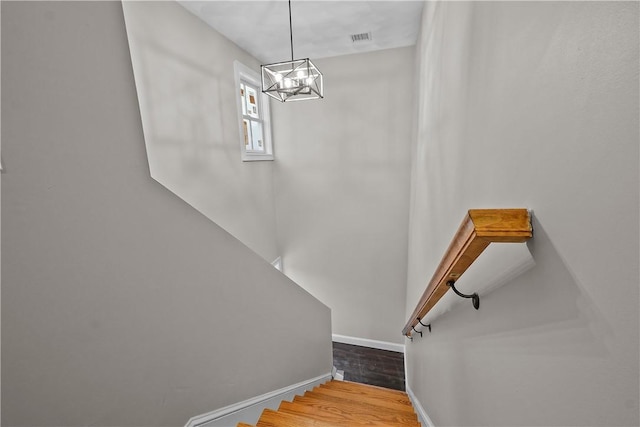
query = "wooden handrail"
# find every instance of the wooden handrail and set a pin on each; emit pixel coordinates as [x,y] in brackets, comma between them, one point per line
[479,228]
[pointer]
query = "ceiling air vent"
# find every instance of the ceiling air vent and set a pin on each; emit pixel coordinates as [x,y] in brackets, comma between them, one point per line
[362,37]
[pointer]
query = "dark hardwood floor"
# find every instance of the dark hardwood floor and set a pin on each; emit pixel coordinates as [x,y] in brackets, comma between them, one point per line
[371,366]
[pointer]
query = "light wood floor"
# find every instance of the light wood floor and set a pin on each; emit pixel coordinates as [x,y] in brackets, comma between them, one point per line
[342,403]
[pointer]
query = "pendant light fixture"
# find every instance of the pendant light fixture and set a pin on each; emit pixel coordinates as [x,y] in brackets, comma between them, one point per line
[294,80]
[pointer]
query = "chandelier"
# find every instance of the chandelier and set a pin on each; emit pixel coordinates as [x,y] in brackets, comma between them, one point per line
[294,80]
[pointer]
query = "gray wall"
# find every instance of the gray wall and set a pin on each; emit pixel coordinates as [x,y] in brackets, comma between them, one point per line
[121,305]
[341,184]
[341,191]
[531,105]
[186,90]
[0,227]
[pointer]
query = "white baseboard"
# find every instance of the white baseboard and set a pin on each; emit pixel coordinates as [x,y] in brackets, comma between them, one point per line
[422,414]
[364,342]
[406,372]
[248,411]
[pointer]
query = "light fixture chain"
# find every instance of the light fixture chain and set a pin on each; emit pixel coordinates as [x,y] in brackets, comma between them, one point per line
[290,30]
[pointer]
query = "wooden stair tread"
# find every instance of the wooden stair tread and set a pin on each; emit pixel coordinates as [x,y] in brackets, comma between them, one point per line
[342,404]
[400,404]
[368,389]
[369,401]
[272,418]
[347,410]
[357,405]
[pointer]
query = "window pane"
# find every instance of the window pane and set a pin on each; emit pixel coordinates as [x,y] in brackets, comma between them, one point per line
[244,103]
[258,141]
[247,134]
[255,135]
[252,101]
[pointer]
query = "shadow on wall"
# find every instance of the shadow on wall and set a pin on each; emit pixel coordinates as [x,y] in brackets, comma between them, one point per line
[183,123]
[186,90]
[183,115]
[539,324]
[545,301]
[498,265]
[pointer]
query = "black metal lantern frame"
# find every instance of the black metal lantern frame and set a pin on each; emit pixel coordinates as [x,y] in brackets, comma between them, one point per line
[295,80]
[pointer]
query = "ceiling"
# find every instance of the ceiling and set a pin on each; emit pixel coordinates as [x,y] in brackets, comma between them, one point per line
[320,28]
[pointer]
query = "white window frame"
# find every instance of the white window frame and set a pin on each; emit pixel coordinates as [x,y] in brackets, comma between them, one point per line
[247,75]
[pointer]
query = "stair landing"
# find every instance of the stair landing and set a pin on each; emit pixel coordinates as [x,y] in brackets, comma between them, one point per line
[342,403]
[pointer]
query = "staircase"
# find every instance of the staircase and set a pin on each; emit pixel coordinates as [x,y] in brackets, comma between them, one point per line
[341,403]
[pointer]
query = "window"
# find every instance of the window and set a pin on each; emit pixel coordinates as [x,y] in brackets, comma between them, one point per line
[253,114]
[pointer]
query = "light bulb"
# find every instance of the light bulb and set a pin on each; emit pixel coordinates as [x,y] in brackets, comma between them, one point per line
[287,83]
[300,74]
[278,77]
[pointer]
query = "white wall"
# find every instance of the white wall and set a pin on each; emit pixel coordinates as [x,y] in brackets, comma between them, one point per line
[0,220]
[531,104]
[342,179]
[186,90]
[121,305]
